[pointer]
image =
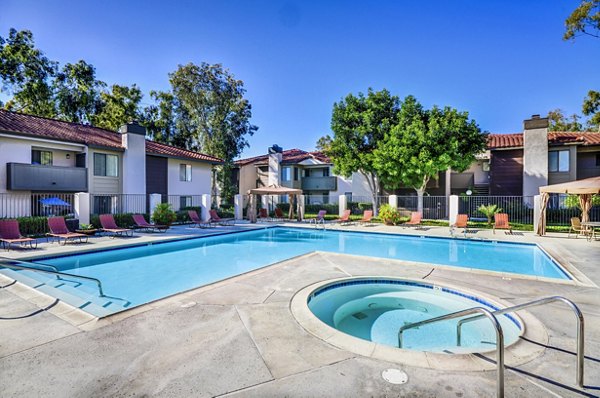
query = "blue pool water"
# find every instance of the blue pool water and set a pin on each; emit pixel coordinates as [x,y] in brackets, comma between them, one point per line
[149,272]
[375,309]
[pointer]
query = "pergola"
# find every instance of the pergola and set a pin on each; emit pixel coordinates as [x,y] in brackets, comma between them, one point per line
[272,190]
[585,189]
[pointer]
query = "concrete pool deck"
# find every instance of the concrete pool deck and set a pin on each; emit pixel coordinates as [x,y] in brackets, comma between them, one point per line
[238,337]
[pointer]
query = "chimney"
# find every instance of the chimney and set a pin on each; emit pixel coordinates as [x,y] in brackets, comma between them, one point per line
[535,154]
[275,156]
[133,139]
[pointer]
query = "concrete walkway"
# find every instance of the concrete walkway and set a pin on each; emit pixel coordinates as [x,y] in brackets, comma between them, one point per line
[239,338]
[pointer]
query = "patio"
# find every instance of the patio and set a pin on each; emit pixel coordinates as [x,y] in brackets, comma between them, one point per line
[238,337]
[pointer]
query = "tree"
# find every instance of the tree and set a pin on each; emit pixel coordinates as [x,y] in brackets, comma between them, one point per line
[77,92]
[559,122]
[205,111]
[359,123]
[585,19]
[424,143]
[118,106]
[591,108]
[26,73]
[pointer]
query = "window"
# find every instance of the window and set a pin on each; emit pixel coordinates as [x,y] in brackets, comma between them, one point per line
[306,172]
[185,201]
[295,174]
[41,157]
[106,165]
[485,165]
[326,172]
[558,161]
[185,172]
[598,160]
[286,174]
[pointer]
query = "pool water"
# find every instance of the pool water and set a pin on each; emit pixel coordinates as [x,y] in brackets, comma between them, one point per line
[152,271]
[373,310]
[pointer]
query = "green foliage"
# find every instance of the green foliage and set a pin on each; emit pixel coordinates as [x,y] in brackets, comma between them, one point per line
[389,214]
[118,107]
[163,214]
[33,226]
[359,123]
[424,143]
[26,73]
[77,92]
[123,220]
[591,108]
[572,201]
[489,211]
[585,19]
[559,122]
[86,226]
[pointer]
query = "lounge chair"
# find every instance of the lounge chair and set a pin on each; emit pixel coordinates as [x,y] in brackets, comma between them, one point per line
[501,222]
[263,215]
[320,218]
[141,223]
[344,219]
[367,216]
[461,222]
[58,229]
[197,220]
[577,227]
[215,219]
[278,214]
[10,233]
[415,220]
[109,225]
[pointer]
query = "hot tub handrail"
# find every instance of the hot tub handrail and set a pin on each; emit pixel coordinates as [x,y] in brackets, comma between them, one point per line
[32,266]
[534,303]
[484,313]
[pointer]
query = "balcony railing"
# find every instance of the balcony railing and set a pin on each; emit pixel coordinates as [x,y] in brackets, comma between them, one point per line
[29,177]
[319,183]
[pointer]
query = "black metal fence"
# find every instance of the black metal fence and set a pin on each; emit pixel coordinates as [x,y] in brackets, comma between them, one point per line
[14,205]
[518,208]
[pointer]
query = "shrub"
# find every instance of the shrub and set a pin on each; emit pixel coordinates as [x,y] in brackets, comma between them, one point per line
[123,220]
[35,226]
[489,211]
[163,214]
[389,214]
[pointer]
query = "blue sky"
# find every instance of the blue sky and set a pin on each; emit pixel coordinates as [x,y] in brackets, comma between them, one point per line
[500,60]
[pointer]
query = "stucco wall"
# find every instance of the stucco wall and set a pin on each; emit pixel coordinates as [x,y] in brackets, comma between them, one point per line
[201,178]
[535,160]
[247,178]
[134,161]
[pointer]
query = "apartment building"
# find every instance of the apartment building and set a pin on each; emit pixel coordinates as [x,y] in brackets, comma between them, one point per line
[45,155]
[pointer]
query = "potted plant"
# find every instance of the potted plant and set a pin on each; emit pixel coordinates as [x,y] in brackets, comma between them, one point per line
[389,215]
[163,214]
[87,229]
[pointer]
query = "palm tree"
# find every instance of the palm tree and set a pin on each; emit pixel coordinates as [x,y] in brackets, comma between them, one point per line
[489,211]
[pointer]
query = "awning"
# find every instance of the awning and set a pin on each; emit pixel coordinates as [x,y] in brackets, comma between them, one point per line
[588,185]
[275,190]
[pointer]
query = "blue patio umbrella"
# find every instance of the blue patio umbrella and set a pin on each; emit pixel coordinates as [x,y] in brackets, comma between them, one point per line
[54,202]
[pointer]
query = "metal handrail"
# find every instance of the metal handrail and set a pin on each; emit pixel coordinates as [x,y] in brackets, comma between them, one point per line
[484,313]
[58,273]
[534,303]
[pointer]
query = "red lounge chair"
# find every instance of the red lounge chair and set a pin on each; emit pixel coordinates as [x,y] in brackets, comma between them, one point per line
[278,214]
[197,220]
[215,219]
[344,219]
[141,223]
[58,229]
[501,222]
[319,219]
[367,216]
[10,233]
[461,222]
[263,215]
[109,225]
[415,220]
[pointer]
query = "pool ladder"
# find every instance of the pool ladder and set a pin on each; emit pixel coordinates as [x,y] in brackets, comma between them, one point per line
[33,266]
[484,313]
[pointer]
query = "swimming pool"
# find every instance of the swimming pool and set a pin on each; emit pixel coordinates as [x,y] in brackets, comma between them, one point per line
[148,272]
[374,309]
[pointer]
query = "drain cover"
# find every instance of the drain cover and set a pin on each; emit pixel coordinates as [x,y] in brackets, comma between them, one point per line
[394,376]
[360,315]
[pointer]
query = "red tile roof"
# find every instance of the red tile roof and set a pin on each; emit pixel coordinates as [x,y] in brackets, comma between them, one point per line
[585,138]
[290,156]
[36,126]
